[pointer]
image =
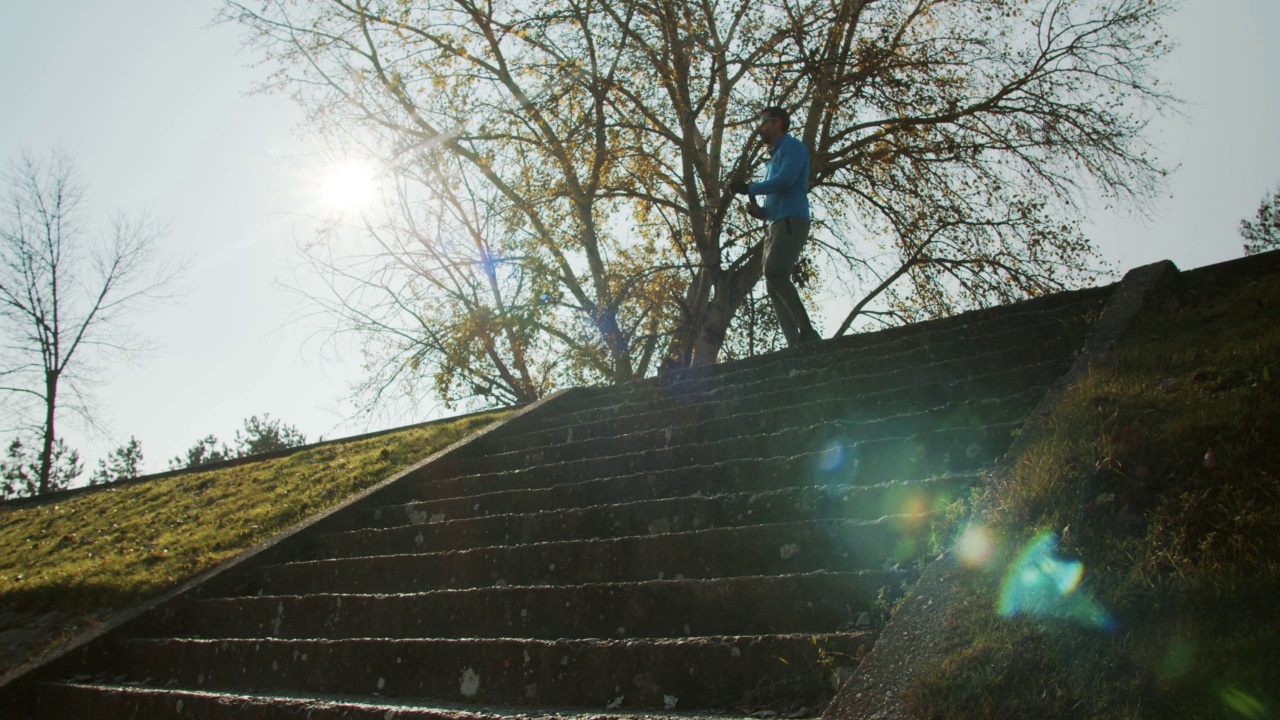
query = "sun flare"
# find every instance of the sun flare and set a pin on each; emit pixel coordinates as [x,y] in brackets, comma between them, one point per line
[349,186]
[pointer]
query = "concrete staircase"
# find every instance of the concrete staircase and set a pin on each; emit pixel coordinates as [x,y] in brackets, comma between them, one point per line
[716,542]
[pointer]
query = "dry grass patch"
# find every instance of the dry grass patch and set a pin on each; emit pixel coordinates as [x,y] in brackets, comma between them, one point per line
[1162,476]
[113,548]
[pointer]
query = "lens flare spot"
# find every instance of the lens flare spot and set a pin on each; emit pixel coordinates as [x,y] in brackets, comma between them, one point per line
[976,546]
[905,507]
[1040,584]
[832,458]
[915,504]
[1244,704]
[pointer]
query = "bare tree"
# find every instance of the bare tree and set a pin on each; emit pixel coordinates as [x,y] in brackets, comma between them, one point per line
[66,298]
[438,260]
[953,145]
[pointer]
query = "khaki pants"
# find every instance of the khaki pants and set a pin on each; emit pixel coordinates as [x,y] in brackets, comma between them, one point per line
[782,246]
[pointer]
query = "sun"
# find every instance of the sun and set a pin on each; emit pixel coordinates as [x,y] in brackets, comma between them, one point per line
[349,186]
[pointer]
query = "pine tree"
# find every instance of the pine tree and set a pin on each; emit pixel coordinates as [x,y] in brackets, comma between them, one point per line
[123,463]
[20,469]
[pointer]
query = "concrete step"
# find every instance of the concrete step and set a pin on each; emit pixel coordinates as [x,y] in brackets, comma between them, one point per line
[711,422]
[702,673]
[804,603]
[923,343]
[694,428]
[130,702]
[778,549]
[909,457]
[827,468]
[1070,315]
[424,527]
[851,379]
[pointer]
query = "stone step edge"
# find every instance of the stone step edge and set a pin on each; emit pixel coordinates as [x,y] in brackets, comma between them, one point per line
[759,388]
[824,601]
[737,418]
[606,643]
[813,456]
[582,673]
[426,483]
[347,707]
[1030,392]
[707,390]
[959,478]
[882,520]
[900,334]
[666,582]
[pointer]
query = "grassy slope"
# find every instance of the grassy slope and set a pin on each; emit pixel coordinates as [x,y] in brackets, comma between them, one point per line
[1161,474]
[114,548]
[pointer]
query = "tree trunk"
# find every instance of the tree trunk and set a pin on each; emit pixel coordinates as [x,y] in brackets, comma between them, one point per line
[618,346]
[698,343]
[684,338]
[46,451]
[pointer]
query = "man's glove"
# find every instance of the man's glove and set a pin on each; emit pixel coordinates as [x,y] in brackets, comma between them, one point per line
[738,187]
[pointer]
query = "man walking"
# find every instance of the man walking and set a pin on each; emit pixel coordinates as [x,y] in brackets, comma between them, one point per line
[786,208]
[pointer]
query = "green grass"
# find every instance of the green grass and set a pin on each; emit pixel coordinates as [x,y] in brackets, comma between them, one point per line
[1162,475]
[113,548]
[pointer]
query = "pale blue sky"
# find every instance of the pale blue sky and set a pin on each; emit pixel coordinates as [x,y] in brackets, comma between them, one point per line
[151,101]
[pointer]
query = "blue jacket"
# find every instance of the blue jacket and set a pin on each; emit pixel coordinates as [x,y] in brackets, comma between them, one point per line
[786,182]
